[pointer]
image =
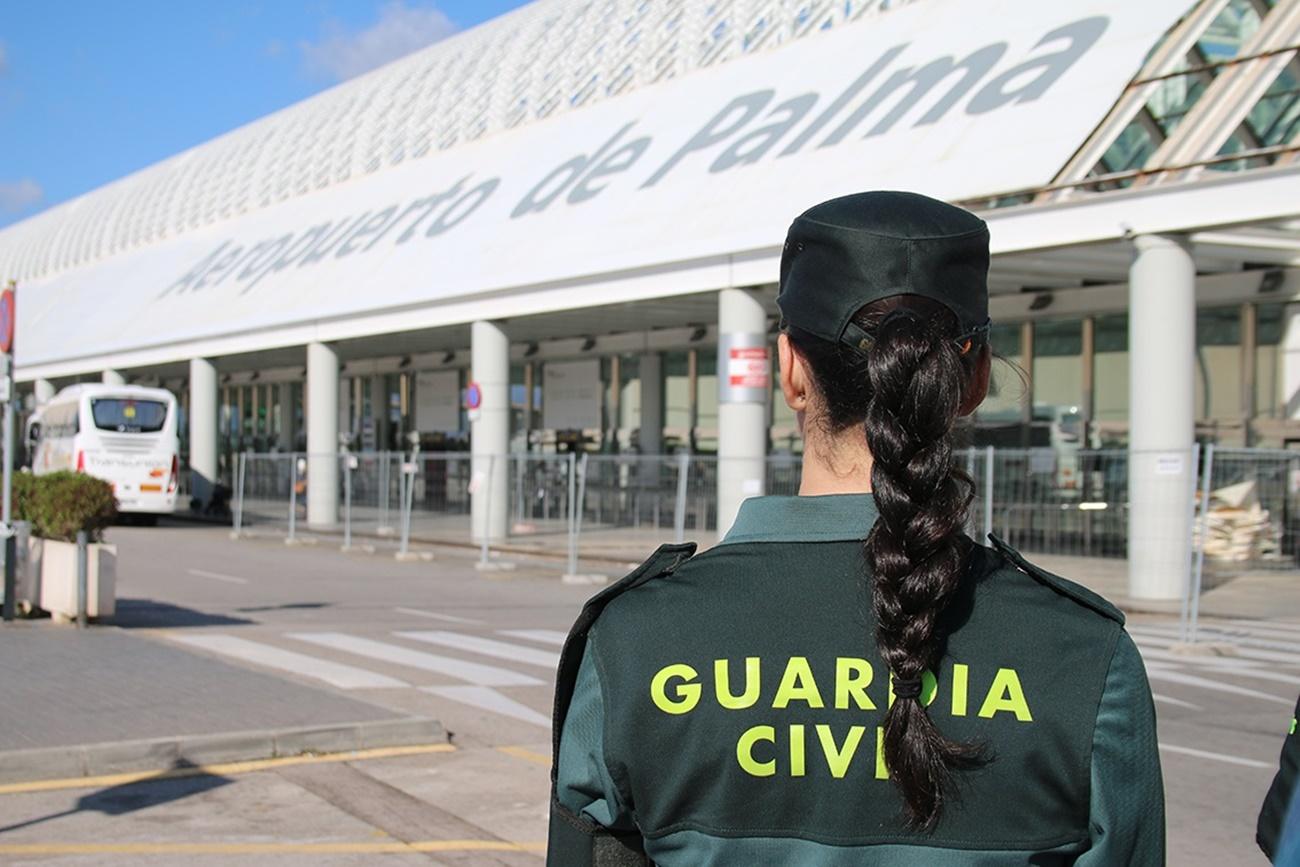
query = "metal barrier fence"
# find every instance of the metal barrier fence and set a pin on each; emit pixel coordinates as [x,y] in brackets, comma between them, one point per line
[1228,510]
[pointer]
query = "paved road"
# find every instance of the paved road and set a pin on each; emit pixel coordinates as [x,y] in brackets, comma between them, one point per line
[477,651]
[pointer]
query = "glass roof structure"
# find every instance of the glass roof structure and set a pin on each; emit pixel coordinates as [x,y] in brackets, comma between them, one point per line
[536,63]
[1221,93]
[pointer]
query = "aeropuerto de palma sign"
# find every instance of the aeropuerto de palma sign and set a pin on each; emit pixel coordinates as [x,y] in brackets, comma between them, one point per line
[950,98]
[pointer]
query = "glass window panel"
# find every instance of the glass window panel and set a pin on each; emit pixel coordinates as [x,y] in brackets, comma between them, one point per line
[1270,325]
[1230,30]
[1110,368]
[1274,118]
[1218,362]
[706,421]
[677,397]
[1130,150]
[1058,372]
[1007,382]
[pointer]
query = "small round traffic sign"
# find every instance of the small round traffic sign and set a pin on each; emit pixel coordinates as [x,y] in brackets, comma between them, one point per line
[7,320]
[473,396]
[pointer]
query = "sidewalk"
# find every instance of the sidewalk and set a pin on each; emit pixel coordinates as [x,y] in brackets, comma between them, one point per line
[80,703]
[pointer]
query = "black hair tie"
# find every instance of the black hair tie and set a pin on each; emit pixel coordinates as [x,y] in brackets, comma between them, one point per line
[907,687]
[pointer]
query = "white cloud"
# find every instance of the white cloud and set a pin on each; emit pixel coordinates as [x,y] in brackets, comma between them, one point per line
[401,29]
[16,196]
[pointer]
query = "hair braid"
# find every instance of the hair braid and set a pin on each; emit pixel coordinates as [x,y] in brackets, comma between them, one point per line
[917,550]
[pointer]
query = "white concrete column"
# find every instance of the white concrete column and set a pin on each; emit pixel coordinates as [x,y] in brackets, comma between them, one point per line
[112,377]
[650,438]
[322,435]
[44,390]
[744,387]
[1162,350]
[489,428]
[203,428]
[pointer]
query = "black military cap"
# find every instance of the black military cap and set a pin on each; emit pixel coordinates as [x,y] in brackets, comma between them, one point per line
[856,249]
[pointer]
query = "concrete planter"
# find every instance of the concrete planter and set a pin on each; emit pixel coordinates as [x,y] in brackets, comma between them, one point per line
[52,568]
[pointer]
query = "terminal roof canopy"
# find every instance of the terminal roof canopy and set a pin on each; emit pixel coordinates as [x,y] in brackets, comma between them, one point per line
[535,162]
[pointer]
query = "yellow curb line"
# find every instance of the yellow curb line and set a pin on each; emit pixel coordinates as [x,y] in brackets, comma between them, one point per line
[527,755]
[341,848]
[225,769]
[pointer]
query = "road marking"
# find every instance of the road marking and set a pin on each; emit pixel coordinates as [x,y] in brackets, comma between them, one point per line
[1242,652]
[476,673]
[1218,757]
[217,576]
[543,636]
[1283,625]
[434,615]
[333,673]
[1178,702]
[527,755]
[1206,683]
[489,699]
[487,647]
[1209,633]
[339,848]
[1161,660]
[225,769]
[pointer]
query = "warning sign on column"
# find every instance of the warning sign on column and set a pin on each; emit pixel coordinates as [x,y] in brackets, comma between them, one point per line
[748,367]
[744,368]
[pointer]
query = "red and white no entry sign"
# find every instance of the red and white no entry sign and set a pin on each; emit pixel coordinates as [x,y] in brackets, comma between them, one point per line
[748,367]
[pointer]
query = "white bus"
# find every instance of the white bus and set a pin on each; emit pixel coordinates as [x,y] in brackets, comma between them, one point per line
[124,434]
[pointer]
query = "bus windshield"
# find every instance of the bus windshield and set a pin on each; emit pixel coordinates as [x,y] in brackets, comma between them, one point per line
[126,415]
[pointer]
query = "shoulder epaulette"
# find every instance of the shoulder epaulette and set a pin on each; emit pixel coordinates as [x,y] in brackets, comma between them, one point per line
[1064,586]
[662,562]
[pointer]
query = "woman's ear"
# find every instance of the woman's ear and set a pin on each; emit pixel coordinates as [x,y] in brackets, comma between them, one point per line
[979,382]
[794,379]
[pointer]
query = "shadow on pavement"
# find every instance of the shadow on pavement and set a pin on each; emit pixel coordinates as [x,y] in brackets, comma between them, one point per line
[152,614]
[287,606]
[118,800]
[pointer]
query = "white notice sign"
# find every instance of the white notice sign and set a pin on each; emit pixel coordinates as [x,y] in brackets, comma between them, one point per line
[437,401]
[571,395]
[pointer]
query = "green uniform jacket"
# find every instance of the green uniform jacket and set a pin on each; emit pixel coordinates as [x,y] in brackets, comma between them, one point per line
[1281,798]
[726,709]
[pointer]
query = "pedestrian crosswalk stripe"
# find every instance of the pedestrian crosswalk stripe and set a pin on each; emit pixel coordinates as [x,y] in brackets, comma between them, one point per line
[542,636]
[1144,639]
[436,615]
[1160,674]
[487,647]
[1211,633]
[1218,665]
[489,699]
[473,672]
[1175,701]
[1218,757]
[333,673]
[1280,625]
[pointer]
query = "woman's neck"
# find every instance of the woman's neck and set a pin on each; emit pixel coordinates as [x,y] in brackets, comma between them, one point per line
[838,466]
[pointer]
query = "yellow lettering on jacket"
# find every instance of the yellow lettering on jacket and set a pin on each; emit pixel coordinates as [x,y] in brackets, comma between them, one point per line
[1006,694]
[745,751]
[797,684]
[687,693]
[722,683]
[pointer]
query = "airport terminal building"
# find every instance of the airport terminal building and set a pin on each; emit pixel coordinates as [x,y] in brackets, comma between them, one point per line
[561,230]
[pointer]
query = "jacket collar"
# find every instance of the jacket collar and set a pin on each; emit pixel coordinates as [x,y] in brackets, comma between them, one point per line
[826,518]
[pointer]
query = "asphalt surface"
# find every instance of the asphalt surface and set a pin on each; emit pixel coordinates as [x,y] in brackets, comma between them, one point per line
[476,650]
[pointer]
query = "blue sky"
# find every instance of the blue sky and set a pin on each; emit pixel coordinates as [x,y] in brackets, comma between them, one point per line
[91,90]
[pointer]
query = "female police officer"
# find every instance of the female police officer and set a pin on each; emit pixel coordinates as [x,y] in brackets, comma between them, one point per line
[846,678]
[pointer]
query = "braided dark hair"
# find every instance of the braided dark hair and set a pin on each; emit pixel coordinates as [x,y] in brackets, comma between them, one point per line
[907,392]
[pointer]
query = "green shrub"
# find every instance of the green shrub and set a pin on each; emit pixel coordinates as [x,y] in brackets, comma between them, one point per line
[61,503]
